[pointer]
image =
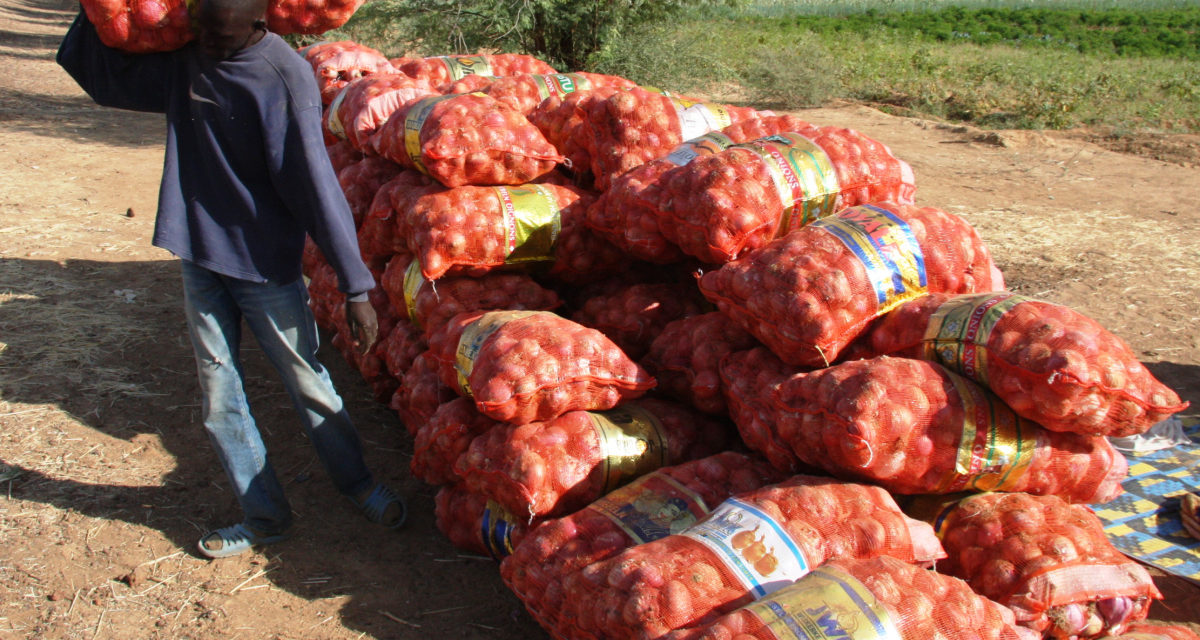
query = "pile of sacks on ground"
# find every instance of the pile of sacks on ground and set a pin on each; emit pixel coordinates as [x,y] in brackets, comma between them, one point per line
[678,365]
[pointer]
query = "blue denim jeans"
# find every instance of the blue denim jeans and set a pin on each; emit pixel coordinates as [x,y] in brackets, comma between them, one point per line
[282,323]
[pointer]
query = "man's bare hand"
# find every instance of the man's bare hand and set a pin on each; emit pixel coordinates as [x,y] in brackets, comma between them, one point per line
[364,326]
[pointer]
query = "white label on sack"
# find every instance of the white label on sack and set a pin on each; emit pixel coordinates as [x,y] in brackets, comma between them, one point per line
[752,545]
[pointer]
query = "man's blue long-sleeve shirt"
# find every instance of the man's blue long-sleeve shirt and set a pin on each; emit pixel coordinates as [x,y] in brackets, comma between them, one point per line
[245,174]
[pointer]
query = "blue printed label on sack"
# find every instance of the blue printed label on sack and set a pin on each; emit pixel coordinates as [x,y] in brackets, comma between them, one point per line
[708,144]
[651,507]
[496,529]
[752,546]
[698,118]
[827,604]
[887,249]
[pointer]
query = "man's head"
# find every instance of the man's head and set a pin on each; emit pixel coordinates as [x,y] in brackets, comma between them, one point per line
[223,27]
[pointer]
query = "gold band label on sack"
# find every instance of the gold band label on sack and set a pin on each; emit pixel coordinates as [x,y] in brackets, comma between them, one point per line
[632,443]
[960,328]
[698,118]
[496,529]
[473,337]
[996,447]
[413,281]
[414,119]
[752,545]
[332,121]
[651,507]
[887,249]
[557,85]
[460,67]
[803,175]
[827,604]
[532,222]
[711,143]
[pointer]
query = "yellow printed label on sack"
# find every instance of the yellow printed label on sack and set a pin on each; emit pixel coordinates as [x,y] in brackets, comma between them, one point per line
[532,222]
[474,336]
[631,443]
[803,175]
[557,85]
[698,118]
[711,143]
[887,249]
[651,507]
[332,121]
[752,546]
[417,114]
[996,447]
[960,328]
[413,281]
[827,604]
[496,529]
[460,67]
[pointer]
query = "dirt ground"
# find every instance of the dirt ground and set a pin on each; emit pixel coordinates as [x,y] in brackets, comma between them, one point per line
[110,478]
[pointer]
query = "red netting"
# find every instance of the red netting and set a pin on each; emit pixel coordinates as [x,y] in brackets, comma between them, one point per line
[309,16]
[420,393]
[382,233]
[913,427]
[1144,631]
[342,155]
[1048,561]
[751,545]
[720,206]
[361,108]
[686,356]
[323,296]
[748,381]
[653,506]
[899,600]
[563,122]
[362,180]
[559,466]
[311,258]
[140,26]
[468,84]
[372,364]
[401,347]
[444,437]
[337,64]
[474,523]
[1051,364]
[439,70]
[627,213]
[808,294]
[525,92]
[634,315]
[526,366]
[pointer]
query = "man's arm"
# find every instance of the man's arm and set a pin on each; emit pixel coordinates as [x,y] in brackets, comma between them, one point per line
[114,78]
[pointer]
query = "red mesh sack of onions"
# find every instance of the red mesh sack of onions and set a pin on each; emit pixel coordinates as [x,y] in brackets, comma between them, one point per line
[382,232]
[914,427]
[342,155]
[653,506]
[882,596]
[748,381]
[444,437]
[440,70]
[372,364]
[559,466]
[324,298]
[337,64]
[309,16]
[420,393]
[564,123]
[140,26]
[468,84]
[686,357]
[810,293]
[626,214]
[720,206]
[634,126]
[401,347]
[1048,561]
[472,522]
[362,180]
[526,366]
[634,315]
[1051,364]
[311,258]
[364,105]
[749,546]
[525,92]
[1144,631]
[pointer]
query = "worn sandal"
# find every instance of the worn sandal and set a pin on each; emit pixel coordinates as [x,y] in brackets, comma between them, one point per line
[1189,512]
[384,507]
[233,540]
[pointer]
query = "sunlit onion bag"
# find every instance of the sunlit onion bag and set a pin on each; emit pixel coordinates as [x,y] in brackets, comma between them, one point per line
[444,437]
[337,64]
[720,206]
[140,26]
[309,16]
[634,315]
[914,427]
[430,304]
[685,358]
[473,522]
[559,466]
[564,123]
[748,381]
[383,233]
[881,597]
[632,127]
[525,92]
[1144,631]
[342,155]
[653,506]
[402,346]
[473,230]
[626,214]
[748,547]
[1051,364]
[440,70]
[1047,560]
[361,180]
[420,393]
[324,298]
[810,293]
[364,105]
[526,366]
